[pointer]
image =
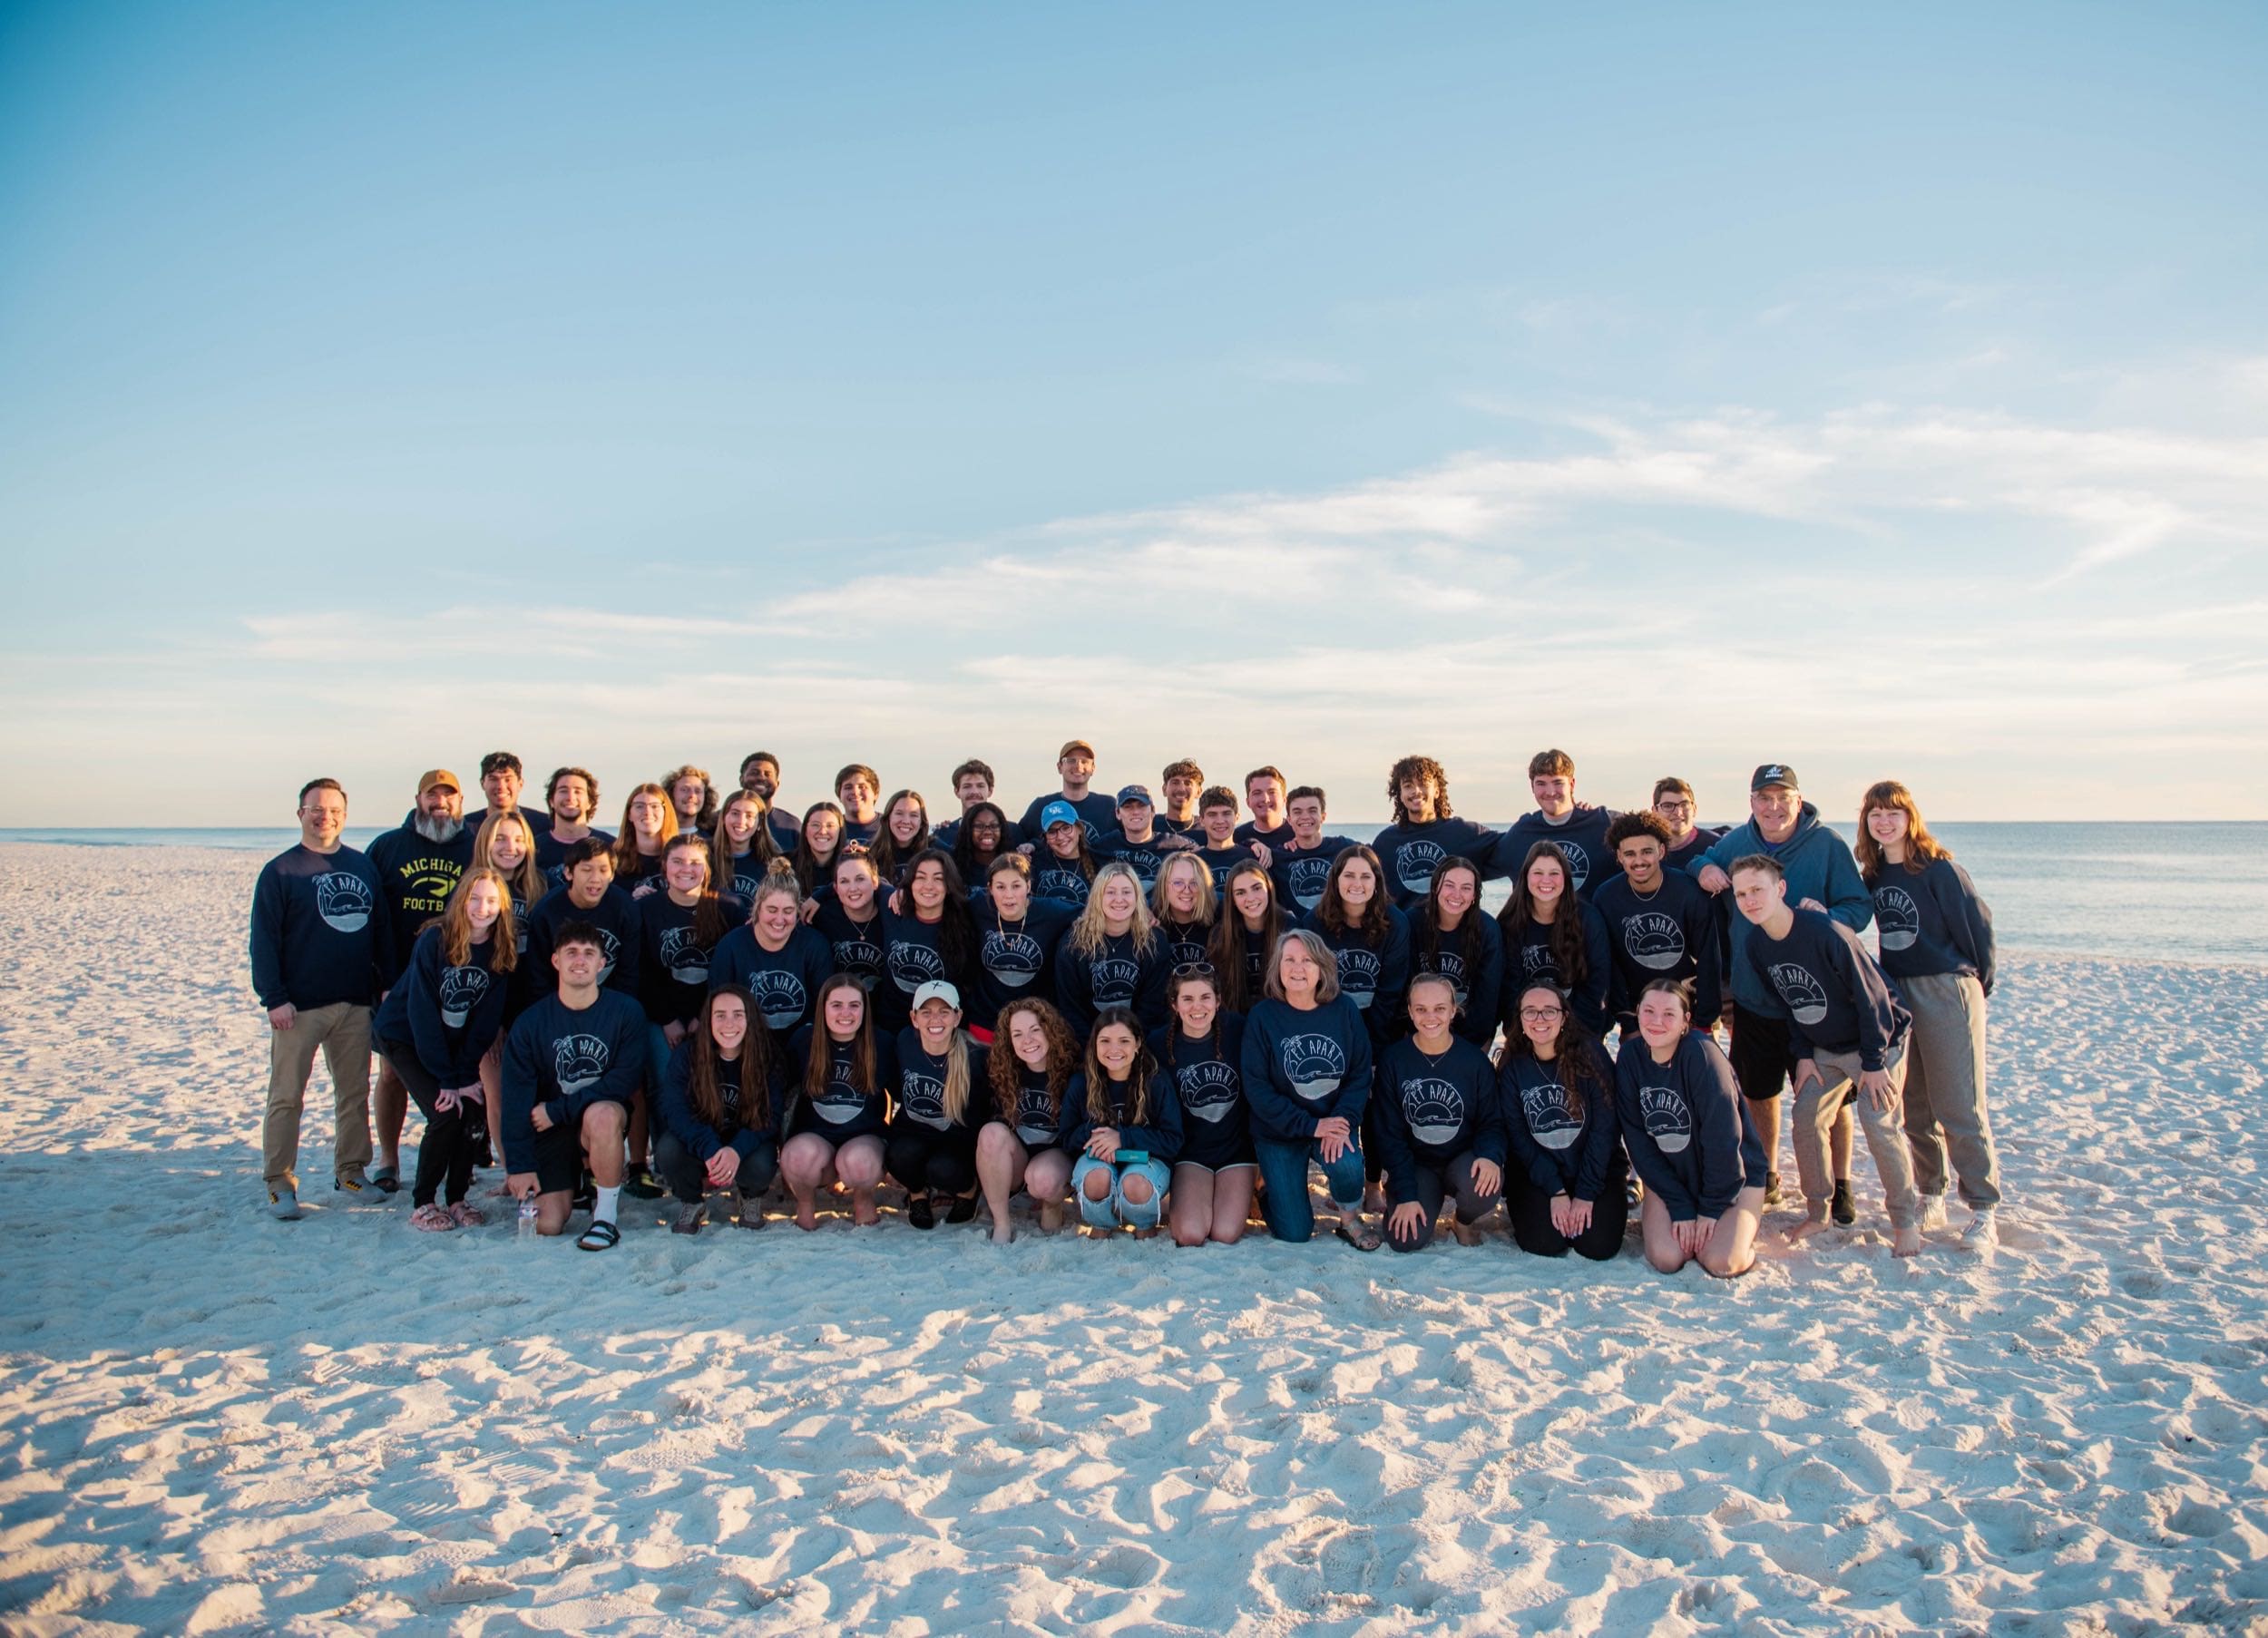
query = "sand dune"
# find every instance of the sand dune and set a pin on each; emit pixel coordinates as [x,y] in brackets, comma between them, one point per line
[210,1421]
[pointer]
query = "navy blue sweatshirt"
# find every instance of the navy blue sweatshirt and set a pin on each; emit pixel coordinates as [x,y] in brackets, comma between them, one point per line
[1579,1156]
[856,946]
[415,878]
[842,1111]
[1374,977]
[550,853]
[1819,866]
[913,954]
[1302,872]
[450,1015]
[734,1132]
[861,831]
[1014,959]
[620,930]
[320,935]
[1097,815]
[1158,1135]
[1208,1083]
[748,875]
[1185,941]
[1302,1068]
[1687,1130]
[785,981]
[672,962]
[568,1060]
[1037,1121]
[786,829]
[1581,836]
[1220,861]
[1933,922]
[1411,854]
[1277,835]
[1837,998]
[1480,982]
[1118,975]
[1670,933]
[1145,858]
[921,1104]
[1431,1110]
[1527,957]
[1059,878]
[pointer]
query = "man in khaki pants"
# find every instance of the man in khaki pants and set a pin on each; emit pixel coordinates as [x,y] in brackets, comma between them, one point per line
[319,935]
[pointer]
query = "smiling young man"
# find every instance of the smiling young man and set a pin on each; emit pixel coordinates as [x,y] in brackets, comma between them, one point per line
[1180,784]
[1136,842]
[857,789]
[572,795]
[1425,834]
[1660,924]
[1301,864]
[759,773]
[1576,828]
[972,783]
[319,944]
[1264,796]
[1098,815]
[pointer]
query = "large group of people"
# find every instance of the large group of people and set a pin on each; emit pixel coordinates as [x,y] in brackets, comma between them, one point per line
[1167,1015]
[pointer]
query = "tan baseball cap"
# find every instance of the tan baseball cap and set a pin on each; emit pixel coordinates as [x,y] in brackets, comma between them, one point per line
[1074,745]
[426,781]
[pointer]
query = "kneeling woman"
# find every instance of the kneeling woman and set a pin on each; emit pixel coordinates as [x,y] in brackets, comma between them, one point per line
[1203,1048]
[1307,1076]
[721,1113]
[436,1025]
[836,1133]
[1034,1058]
[1690,1139]
[1569,1189]
[932,1146]
[1437,1122]
[1122,1121]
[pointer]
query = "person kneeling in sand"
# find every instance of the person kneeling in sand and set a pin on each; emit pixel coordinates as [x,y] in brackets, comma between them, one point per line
[1123,1120]
[1691,1139]
[571,1067]
[1846,1028]
[1438,1122]
[719,1113]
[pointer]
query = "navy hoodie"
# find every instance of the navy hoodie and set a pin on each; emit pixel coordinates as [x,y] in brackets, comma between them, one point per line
[1118,975]
[1581,836]
[1559,1153]
[1158,1135]
[856,946]
[1528,957]
[1302,1068]
[1836,998]
[1374,977]
[1431,1110]
[1302,872]
[734,1131]
[415,878]
[1933,922]
[1098,817]
[1670,933]
[320,934]
[921,1102]
[1014,959]
[1819,866]
[450,1015]
[1208,1083]
[1411,854]
[568,1060]
[620,932]
[785,981]
[1477,989]
[841,1112]
[672,962]
[1686,1127]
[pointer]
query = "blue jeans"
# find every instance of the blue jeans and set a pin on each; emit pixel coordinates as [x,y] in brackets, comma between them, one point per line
[1115,1208]
[1284,1200]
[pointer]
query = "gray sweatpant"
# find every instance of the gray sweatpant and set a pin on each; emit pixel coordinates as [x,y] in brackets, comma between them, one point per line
[1815,1109]
[1945,1087]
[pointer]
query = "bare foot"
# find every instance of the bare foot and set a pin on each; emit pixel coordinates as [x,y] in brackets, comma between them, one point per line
[866,1213]
[1467,1234]
[1806,1229]
[1147,1234]
[1375,1200]
[1908,1242]
[1050,1219]
[806,1219]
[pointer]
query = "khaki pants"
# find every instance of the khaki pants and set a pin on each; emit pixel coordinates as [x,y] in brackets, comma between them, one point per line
[1815,1110]
[343,1033]
[1945,1087]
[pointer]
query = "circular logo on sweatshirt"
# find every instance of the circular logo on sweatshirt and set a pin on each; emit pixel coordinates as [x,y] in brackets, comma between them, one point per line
[1358,975]
[913,965]
[579,1062]
[1898,917]
[1314,1065]
[461,992]
[1415,863]
[1013,959]
[344,901]
[1654,940]
[1544,1108]
[922,1096]
[1805,997]
[1668,1120]
[779,998]
[1208,1090]
[1114,979]
[1434,1109]
[682,954]
[1306,877]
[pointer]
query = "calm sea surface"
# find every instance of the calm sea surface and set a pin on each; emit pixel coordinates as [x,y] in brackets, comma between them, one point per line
[2186,893]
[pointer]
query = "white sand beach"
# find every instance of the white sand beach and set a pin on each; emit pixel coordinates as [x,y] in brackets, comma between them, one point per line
[211,1421]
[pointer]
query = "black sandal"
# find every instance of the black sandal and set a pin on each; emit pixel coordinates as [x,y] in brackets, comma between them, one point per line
[600,1236]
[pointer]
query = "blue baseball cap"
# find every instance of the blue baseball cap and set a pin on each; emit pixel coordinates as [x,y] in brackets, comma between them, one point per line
[1136,792]
[1058,813]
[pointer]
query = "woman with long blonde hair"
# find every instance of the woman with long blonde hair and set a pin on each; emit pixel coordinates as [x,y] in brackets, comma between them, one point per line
[1112,956]
[649,825]
[944,1098]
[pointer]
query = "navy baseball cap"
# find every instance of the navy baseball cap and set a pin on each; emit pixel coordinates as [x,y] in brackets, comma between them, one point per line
[1136,792]
[1770,774]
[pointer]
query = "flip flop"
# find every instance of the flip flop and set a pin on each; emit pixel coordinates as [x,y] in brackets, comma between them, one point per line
[600,1236]
[1363,1238]
[386,1180]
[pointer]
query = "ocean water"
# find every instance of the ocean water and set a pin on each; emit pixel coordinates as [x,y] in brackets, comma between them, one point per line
[2134,891]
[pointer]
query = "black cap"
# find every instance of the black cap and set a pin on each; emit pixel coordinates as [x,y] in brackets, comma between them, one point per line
[1773,773]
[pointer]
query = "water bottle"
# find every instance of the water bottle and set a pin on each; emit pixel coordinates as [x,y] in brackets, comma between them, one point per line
[525,1233]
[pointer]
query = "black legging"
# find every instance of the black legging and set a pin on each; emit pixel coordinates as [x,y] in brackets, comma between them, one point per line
[1434,1186]
[922,1157]
[1530,1209]
[444,1154]
[688,1175]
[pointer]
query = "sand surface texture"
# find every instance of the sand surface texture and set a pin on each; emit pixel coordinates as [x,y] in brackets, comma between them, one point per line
[212,1421]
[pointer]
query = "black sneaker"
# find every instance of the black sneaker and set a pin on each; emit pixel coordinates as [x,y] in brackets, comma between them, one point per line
[1840,1207]
[920,1214]
[586,1196]
[1772,1188]
[640,1184]
[963,1208]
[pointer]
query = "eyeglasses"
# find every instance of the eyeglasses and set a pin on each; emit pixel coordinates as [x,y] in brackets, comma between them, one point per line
[1668,806]
[1538,1015]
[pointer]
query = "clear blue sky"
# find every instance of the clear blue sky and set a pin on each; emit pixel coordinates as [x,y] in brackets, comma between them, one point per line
[1682,385]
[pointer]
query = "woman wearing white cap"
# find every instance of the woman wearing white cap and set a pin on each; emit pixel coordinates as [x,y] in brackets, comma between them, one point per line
[942,1074]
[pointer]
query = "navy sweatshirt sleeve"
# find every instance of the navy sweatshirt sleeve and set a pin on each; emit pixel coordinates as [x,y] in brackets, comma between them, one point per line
[677,1103]
[1967,917]
[1277,1113]
[1599,1167]
[1719,1129]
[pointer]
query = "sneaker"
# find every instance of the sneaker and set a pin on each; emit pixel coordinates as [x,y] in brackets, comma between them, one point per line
[586,1196]
[964,1207]
[747,1210]
[1840,1206]
[432,1219]
[349,1185]
[1772,1188]
[1983,1230]
[283,1203]
[386,1179]
[690,1217]
[1932,1211]
[920,1212]
[640,1184]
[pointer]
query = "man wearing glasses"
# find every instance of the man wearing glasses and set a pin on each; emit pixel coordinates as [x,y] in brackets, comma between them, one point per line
[1674,805]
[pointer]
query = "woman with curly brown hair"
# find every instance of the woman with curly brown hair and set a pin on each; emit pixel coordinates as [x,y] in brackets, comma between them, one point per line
[1035,1056]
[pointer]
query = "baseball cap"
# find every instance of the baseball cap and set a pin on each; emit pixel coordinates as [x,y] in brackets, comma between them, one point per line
[1058,813]
[937,990]
[1773,773]
[426,781]
[1074,745]
[1136,792]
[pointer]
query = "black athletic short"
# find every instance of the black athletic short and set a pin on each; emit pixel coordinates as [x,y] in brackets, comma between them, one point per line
[1761,1062]
[559,1160]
